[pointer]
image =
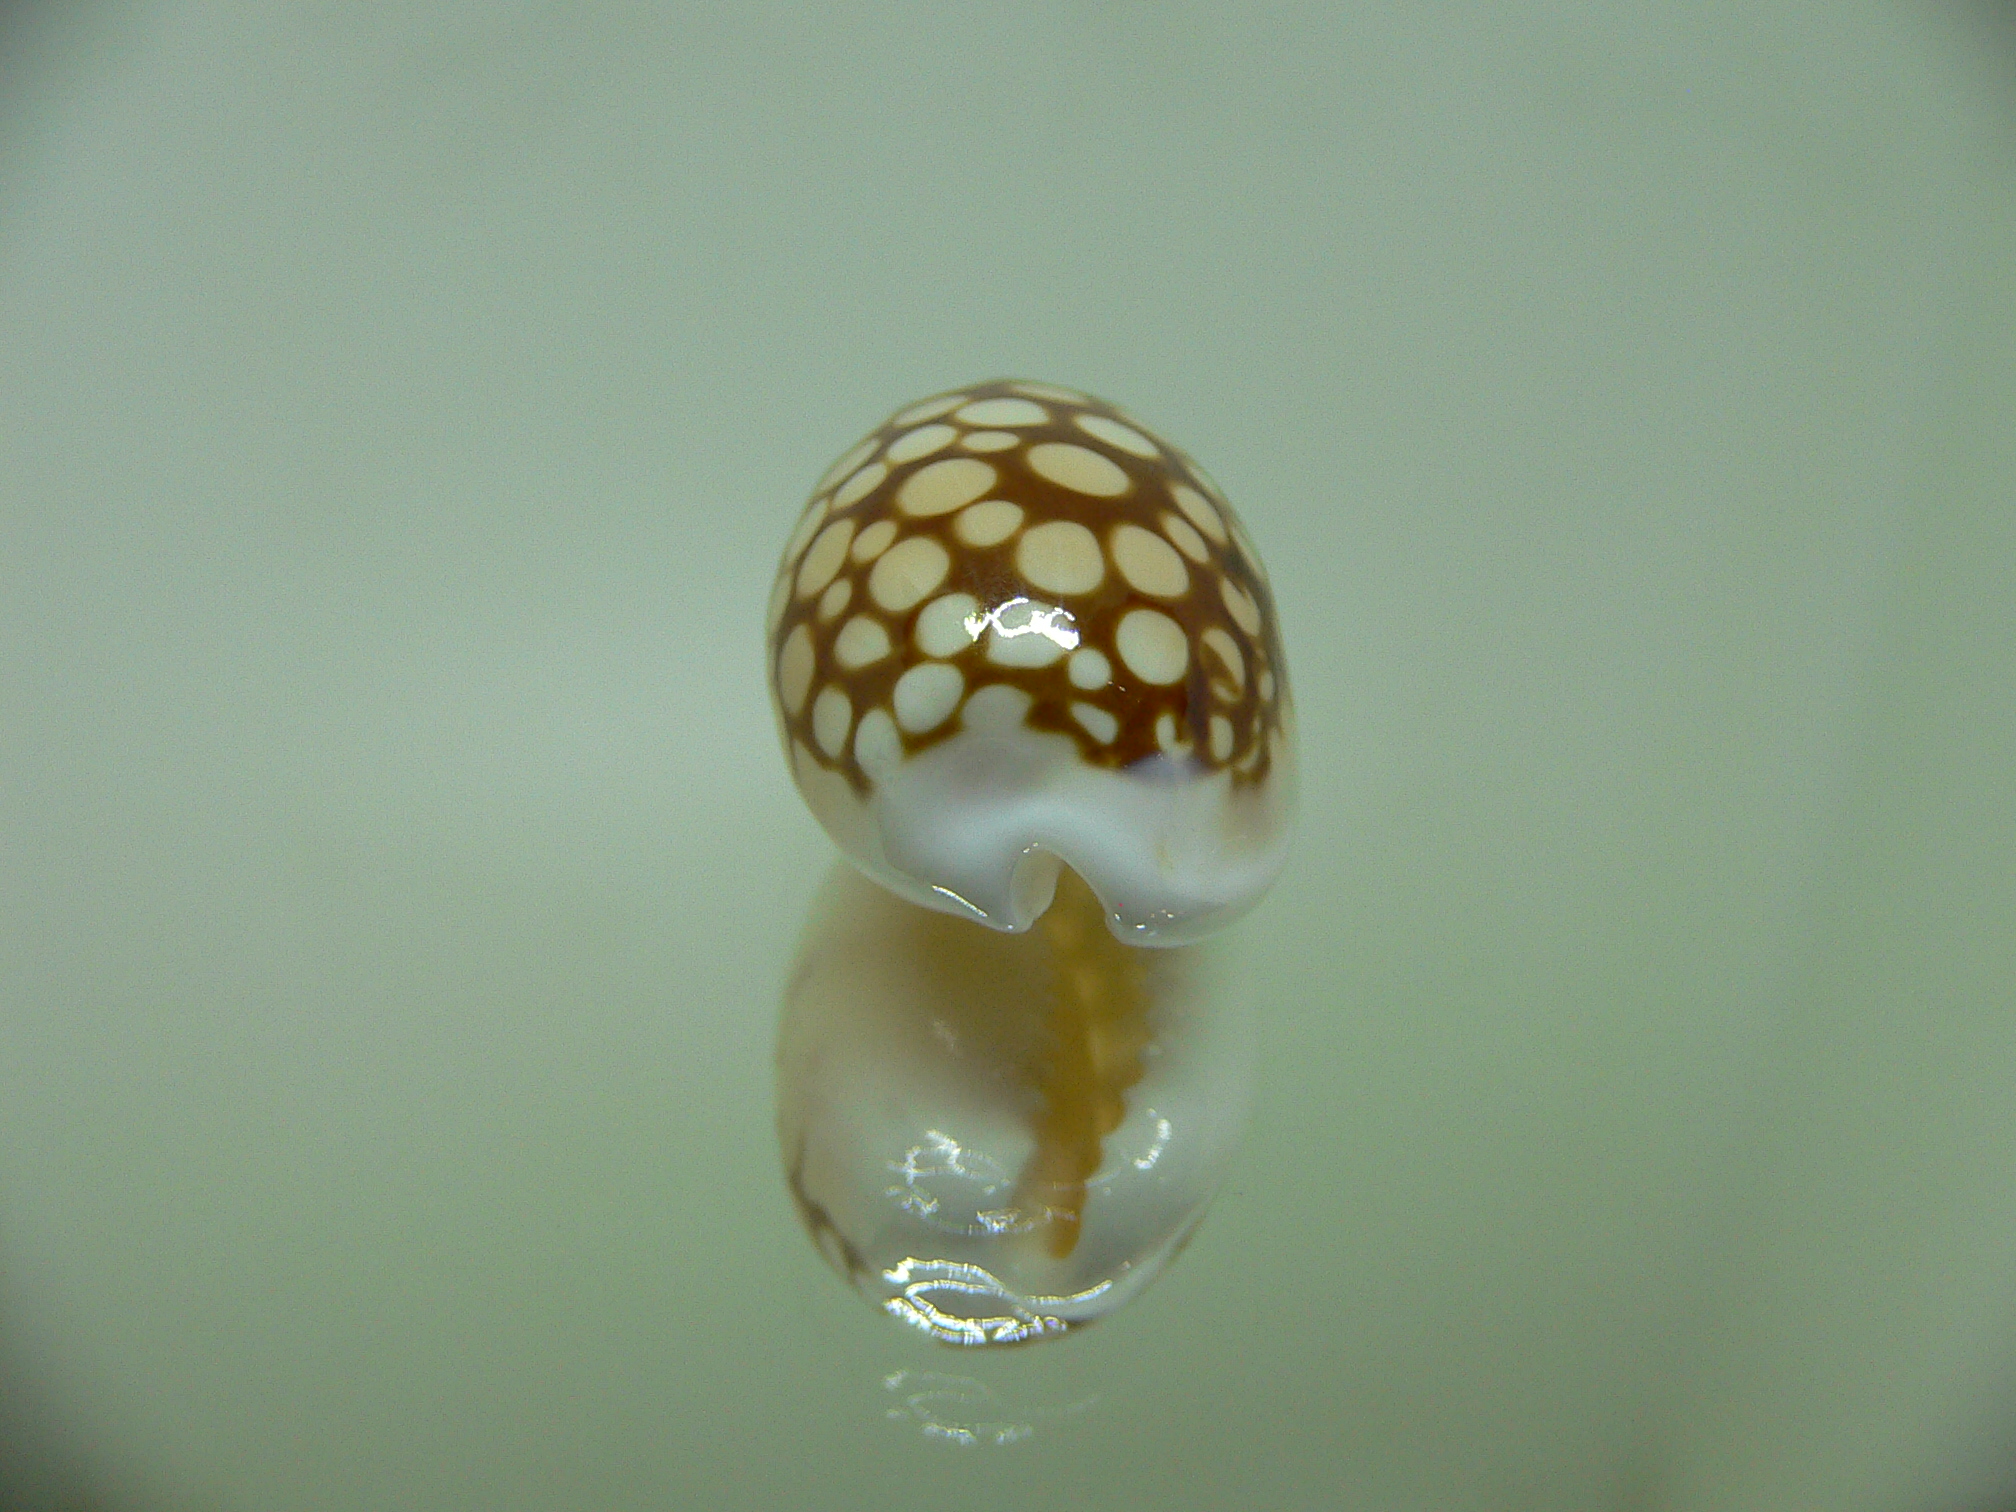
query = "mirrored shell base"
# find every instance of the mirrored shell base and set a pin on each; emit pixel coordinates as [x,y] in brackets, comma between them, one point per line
[999,1138]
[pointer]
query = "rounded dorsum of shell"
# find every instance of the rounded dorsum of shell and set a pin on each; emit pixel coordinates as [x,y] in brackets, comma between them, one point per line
[926,1072]
[1015,629]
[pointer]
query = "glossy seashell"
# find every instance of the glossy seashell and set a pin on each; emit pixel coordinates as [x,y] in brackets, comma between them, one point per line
[1026,670]
[1015,630]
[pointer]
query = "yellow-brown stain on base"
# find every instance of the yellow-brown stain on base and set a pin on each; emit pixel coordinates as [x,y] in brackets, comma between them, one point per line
[1098,1035]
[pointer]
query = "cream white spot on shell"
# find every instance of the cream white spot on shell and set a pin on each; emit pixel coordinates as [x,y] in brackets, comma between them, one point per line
[1026,633]
[944,486]
[1152,645]
[1056,393]
[1186,538]
[991,441]
[780,595]
[908,572]
[946,626]
[832,719]
[926,695]
[1240,605]
[1113,433]
[861,642]
[1202,512]
[920,442]
[1060,556]
[1089,669]
[1096,722]
[1266,686]
[850,460]
[1003,412]
[1221,645]
[1148,562]
[877,746]
[862,484]
[873,541]
[996,709]
[825,557]
[1221,737]
[794,669]
[1022,651]
[988,523]
[1166,738]
[1079,469]
[929,409]
[834,599]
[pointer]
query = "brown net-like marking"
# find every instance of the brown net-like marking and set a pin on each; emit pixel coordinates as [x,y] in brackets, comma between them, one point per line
[1224,710]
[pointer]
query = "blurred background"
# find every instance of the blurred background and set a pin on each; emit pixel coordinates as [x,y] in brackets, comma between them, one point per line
[401,409]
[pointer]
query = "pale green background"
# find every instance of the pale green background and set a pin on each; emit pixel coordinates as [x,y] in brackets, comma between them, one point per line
[400,410]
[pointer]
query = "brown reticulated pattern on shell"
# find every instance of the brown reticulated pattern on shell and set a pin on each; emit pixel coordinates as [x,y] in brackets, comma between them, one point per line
[1030,539]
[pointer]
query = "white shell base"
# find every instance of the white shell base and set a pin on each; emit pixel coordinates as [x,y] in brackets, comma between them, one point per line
[977,825]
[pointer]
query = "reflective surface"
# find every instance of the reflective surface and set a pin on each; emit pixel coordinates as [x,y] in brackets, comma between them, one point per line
[1000,1138]
[399,878]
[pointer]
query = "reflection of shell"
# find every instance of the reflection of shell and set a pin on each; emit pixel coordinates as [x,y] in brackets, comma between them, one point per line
[976,1148]
[961,1410]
